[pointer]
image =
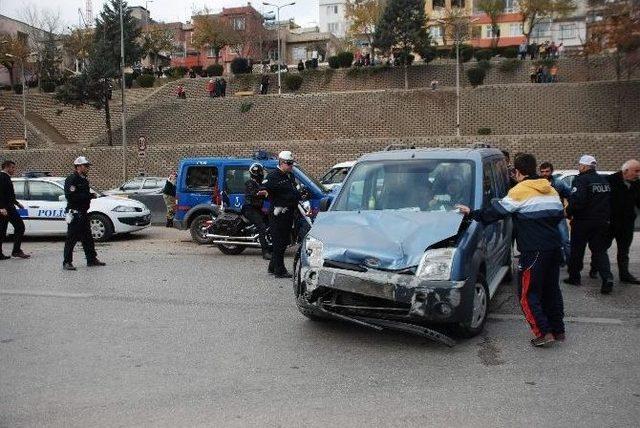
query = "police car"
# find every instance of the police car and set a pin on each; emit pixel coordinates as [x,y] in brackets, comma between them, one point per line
[44,204]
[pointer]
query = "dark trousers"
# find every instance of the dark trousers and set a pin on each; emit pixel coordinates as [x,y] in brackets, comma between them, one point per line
[596,235]
[18,229]
[280,227]
[539,291]
[254,215]
[623,234]
[79,230]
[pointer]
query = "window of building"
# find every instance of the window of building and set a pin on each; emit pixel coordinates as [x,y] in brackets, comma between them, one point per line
[436,32]
[510,6]
[333,27]
[335,9]
[239,23]
[542,30]
[515,29]
[567,31]
[332,10]
[457,3]
[438,3]
[488,32]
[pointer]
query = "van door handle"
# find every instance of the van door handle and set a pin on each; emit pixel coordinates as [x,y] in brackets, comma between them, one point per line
[34,206]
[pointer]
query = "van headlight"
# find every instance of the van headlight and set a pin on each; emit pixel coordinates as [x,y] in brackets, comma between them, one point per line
[436,264]
[314,250]
[124,209]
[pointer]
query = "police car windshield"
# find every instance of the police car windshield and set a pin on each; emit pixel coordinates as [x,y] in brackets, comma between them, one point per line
[412,185]
[93,189]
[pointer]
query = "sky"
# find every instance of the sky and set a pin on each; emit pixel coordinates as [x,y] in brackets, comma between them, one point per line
[305,12]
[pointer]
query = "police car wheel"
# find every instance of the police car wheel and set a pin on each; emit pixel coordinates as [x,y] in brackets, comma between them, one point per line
[101,227]
[231,250]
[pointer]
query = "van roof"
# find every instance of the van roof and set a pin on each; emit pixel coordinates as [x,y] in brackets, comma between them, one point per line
[476,154]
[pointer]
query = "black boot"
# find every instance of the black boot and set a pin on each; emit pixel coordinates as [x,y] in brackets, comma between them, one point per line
[607,286]
[169,222]
[627,278]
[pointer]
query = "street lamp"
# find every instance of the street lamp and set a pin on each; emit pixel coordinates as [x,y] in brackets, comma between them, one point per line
[24,97]
[279,50]
[457,22]
[124,107]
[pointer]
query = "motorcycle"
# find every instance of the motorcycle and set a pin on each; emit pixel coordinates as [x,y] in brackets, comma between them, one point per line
[232,232]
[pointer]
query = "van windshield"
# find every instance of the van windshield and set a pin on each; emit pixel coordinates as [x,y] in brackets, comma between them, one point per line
[413,185]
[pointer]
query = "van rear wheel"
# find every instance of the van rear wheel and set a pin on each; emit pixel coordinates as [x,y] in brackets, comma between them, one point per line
[196,229]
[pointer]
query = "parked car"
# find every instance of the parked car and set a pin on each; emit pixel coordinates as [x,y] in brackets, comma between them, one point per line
[44,205]
[139,186]
[336,174]
[201,181]
[393,252]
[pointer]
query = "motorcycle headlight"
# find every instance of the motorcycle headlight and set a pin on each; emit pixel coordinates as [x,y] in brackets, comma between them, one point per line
[436,264]
[314,251]
[124,209]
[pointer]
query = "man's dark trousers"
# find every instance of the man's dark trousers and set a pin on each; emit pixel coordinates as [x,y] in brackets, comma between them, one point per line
[596,235]
[280,227]
[255,217]
[623,234]
[18,229]
[539,291]
[79,230]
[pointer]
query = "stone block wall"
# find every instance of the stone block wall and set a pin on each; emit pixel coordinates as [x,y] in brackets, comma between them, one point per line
[12,128]
[316,156]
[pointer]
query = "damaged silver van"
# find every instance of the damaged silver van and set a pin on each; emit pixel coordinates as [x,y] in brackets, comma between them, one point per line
[393,251]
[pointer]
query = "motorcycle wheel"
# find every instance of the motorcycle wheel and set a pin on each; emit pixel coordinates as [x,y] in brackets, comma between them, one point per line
[231,250]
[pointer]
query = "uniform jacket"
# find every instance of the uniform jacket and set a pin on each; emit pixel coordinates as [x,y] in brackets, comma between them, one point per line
[282,189]
[251,199]
[169,189]
[624,200]
[536,211]
[7,194]
[78,193]
[590,198]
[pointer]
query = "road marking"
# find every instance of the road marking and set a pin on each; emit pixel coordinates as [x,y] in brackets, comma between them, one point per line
[36,293]
[579,320]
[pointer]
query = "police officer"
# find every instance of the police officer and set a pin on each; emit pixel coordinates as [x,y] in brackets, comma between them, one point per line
[78,194]
[254,197]
[281,187]
[590,210]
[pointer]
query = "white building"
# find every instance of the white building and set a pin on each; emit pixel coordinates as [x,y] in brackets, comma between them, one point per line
[332,17]
[571,30]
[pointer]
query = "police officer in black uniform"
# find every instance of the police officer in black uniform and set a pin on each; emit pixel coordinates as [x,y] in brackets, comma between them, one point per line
[78,194]
[284,196]
[590,210]
[254,198]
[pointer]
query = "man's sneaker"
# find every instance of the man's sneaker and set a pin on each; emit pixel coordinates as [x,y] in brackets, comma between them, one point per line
[543,341]
[284,274]
[593,274]
[560,337]
[96,262]
[607,287]
[68,266]
[3,257]
[570,281]
[629,279]
[20,255]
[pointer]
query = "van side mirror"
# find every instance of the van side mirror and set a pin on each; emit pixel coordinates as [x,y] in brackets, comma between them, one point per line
[324,205]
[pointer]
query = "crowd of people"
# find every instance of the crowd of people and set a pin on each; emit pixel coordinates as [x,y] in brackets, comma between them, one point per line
[540,50]
[543,74]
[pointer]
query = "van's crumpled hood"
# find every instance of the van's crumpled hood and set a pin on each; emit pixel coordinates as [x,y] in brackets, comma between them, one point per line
[397,239]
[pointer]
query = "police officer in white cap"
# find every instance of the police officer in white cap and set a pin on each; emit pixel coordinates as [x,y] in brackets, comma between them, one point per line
[284,196]
[78,194]
[590,212]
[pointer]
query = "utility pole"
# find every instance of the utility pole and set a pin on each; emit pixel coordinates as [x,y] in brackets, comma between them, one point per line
[124,106]
[279,49]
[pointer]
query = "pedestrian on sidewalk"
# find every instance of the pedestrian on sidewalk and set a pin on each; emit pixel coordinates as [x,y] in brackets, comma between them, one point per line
[625,199]
[169,196]
[211,88]
[264,84]
[8,212]
[536,211]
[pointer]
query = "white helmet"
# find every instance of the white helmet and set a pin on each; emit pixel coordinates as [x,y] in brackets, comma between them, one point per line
[81,160]
[286,155]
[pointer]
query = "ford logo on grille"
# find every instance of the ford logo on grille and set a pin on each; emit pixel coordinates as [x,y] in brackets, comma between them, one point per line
[372,262]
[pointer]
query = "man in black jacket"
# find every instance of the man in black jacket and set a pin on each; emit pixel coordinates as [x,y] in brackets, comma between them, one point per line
[8,212]
[625,198]
[254,198]
[590,212]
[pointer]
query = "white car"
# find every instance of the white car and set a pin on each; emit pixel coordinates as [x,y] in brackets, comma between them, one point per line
[139,186]
[336,175]
[567,175]
[44,204]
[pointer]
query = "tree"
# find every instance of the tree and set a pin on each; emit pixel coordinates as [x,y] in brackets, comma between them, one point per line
[50,58]
[363,16]
[494,10]
[403,27]
[77,44]
[44,27]
[107,36]
[211,31]
[13,51]
[155,40]
[534,11]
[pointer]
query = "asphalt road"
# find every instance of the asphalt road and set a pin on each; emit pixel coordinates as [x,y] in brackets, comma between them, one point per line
[174,334]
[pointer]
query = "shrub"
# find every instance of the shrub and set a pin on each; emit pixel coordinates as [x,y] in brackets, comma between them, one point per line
[401,58]
[466,53]
[245,107]
[32,83]
[240,66]
[345,59]
[510,52]
[485,64]
[484,54]
[5,87]
[128,80]
[509,65]
[428,54]
[333,62]
[17,88]
[147,70]
[146,80]
[484,131]
[476,76]
[443,53]
[215,70]
[292,81]
[48,86]
[197,69]
[178,72]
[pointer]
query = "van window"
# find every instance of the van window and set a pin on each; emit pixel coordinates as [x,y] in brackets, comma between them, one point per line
[235,177]
[501,178]
[202,178]
[488,191]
